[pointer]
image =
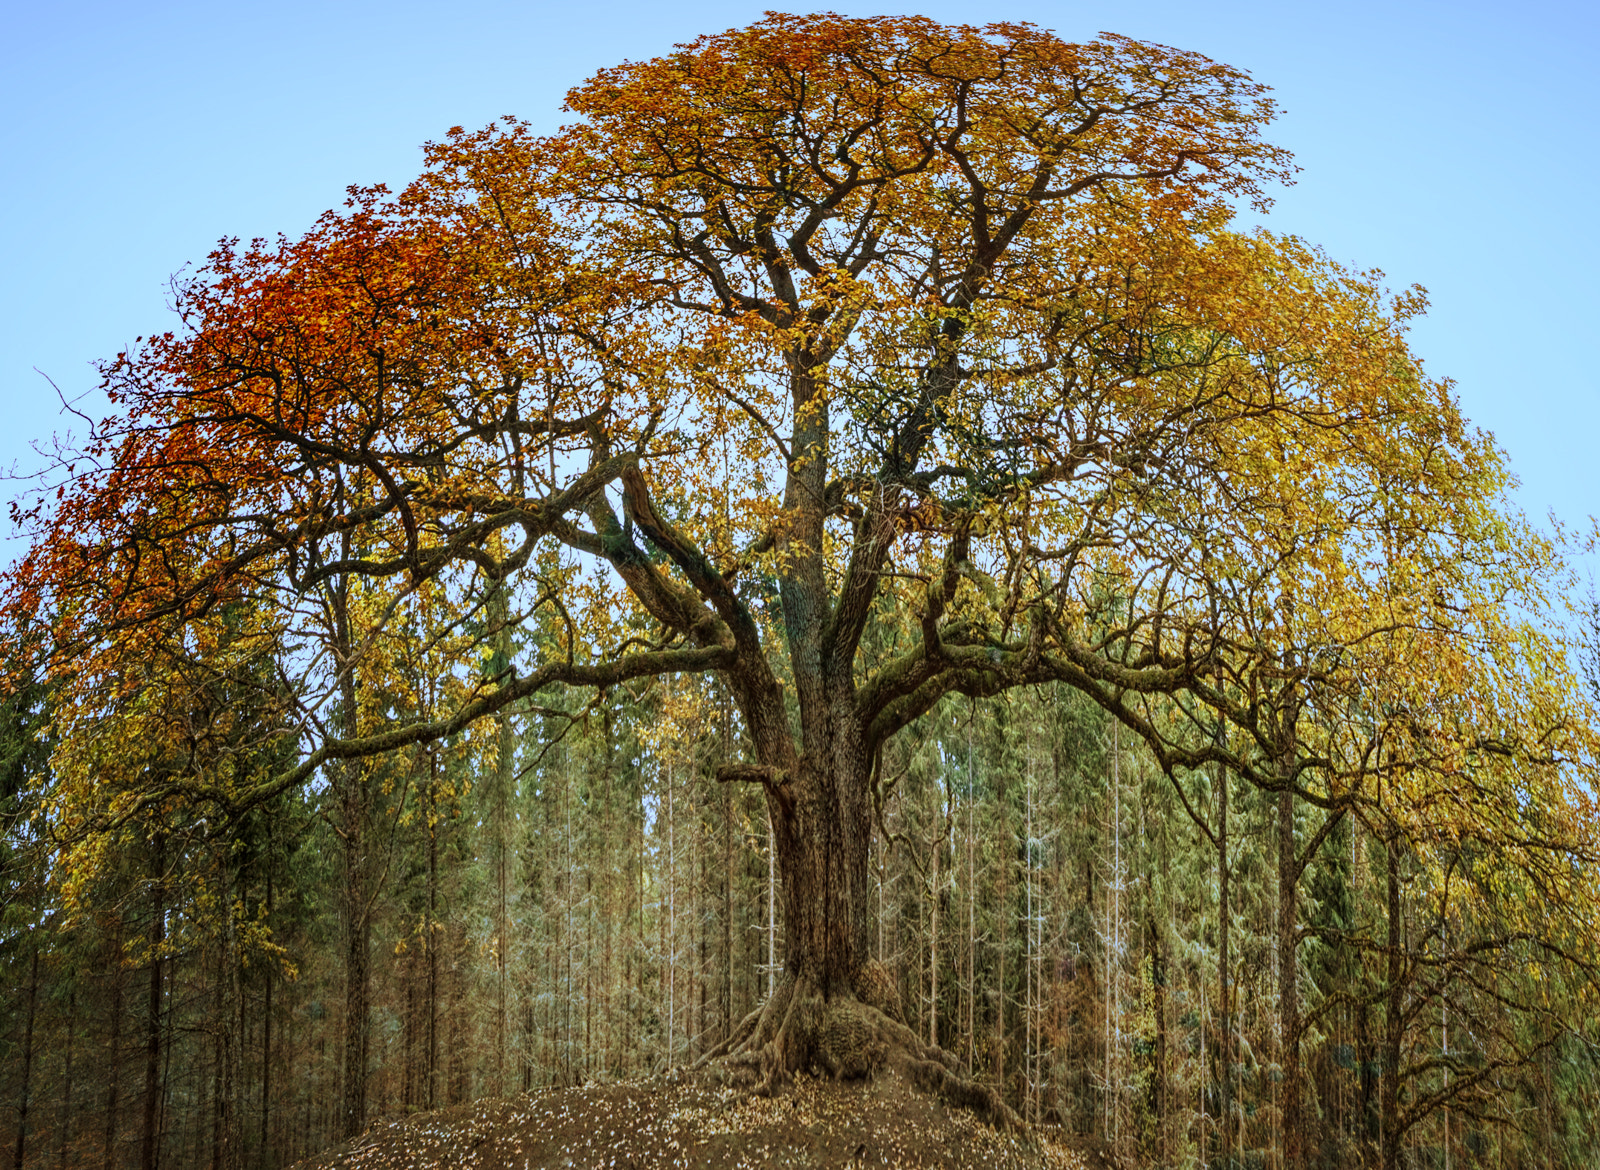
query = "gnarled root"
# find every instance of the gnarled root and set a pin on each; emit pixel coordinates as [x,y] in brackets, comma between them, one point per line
[847,1037]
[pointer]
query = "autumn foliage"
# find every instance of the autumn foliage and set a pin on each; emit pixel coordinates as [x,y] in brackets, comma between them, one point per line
[863,362]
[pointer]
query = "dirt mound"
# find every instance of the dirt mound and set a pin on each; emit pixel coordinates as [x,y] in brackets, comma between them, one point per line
[684,1121]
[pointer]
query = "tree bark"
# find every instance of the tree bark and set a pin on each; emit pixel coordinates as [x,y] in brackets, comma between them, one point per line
[152,1048]
[504,778]
[64,1139]
[1393,1022]
[27,1061]
[1225,1056]
[821,823]
[358,929]
[1288,984]
[353,813]
[114,1055]
[266,1028]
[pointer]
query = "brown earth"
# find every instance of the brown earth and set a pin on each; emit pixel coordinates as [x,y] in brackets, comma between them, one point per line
[687,1121]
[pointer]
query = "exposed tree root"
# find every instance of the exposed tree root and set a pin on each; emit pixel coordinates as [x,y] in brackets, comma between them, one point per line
[846,1037]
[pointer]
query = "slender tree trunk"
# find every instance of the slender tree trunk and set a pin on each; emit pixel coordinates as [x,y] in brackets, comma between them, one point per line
[25,1097]
[504,777]
[728,1018]
[933,947]
[1002,927]
[1393,1023]
[64,1139]
[356,975]
[229,1036]
[1288,985]
[216,1081]
[266,1157]
[431,936]
[671,944]
[108,1152]
[152,1048]
[1369,1110]
[1224,973]
[972,914]
[353,811]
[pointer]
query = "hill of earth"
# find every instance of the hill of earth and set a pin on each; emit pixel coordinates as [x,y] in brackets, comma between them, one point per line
[683,1121]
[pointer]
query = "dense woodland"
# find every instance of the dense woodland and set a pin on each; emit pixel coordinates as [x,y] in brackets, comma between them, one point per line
[1092,936]
[839,558]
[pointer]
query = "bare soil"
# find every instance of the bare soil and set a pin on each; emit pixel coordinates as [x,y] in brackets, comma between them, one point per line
[683,1120]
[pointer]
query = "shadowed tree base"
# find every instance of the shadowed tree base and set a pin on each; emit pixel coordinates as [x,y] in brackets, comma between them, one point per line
[851,1036]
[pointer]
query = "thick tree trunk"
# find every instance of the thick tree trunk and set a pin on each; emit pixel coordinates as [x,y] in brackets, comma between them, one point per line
[822,827]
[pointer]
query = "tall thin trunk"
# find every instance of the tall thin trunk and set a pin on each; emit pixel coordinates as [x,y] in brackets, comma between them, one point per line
[216,1081]
[1114,947]
[25,1097]
[1393,1023]
[1030,1000]
[728,1018]
[672,918]
[266,1158]
[430,933]
[357,935]
[933,947]
[230,1035]
[1288,984]
[970,1030]
[1225,972]
[1002,926]
[152,1046]
[354,811]
[64,1138]
[500,814]
[114,1055]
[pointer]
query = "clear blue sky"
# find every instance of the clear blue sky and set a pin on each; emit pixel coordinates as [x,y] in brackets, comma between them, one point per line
[1450,144]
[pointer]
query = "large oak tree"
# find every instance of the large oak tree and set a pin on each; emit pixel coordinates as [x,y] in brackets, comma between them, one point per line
[860,361]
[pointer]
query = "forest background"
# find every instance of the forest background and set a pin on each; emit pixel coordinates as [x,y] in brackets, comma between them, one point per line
[1050,902]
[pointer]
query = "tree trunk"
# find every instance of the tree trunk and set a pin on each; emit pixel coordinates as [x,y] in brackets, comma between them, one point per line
[1393,1023]
[821,822]
[430,934]
[64,1138]
[152,1048]
[27,1060]
[1224,974]
[500,815]
[358,929]
[266,1158]
[230,1127]
[351,785]
[1288,985]
[108,1149]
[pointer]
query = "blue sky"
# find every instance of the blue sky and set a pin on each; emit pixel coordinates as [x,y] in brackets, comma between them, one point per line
[1450,144]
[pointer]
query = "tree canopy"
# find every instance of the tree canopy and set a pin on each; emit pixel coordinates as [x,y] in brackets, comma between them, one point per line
[862,362]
